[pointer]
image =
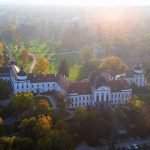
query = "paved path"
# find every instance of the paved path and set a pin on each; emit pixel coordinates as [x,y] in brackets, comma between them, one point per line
[33,61]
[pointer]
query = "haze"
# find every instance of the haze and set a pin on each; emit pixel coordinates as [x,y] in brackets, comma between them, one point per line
[80,2]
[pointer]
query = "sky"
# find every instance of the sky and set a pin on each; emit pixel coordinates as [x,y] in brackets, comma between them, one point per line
[80,2]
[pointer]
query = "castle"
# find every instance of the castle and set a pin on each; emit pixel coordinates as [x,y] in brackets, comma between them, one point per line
[104,89]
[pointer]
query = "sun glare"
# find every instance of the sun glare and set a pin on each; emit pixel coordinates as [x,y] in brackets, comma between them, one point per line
[81,2]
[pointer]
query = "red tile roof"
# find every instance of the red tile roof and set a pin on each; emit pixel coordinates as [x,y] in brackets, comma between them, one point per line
[80,87]
[42,78]
[117,85]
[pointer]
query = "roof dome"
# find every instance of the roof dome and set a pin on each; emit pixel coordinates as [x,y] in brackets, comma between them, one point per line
[21,72]
[21,75]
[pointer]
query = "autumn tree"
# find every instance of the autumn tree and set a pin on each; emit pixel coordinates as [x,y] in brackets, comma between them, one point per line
[24,56]
[113,64]
[42,106]
[36,127]
[74,72]
[56,140]
[83,120]
[16,143]
[22,102]
[42,66]
[22,143]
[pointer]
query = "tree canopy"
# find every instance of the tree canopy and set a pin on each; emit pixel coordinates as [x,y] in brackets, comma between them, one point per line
[5,90]
[113,64]
[63,68]
[42,66]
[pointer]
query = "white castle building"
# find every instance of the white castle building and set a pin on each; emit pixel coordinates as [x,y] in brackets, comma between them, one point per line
[134,77]
[113,92]
[104,89]
[21,82]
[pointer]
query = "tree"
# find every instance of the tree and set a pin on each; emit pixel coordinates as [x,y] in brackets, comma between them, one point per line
[74,72]
[23,143]
[136,103]
[22,102]
[82,121]
[36,127]
[24,56]
[63,68]
[88,68]
[56,140]
[42,106]
[113,64]
[1,126]
[2,57]
[16,143]
[5,90]
[6,142]
[86,55]
[42,66]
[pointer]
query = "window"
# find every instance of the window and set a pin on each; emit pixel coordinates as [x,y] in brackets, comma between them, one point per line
[87,98]
[107,97]
[102,97]
[97,98]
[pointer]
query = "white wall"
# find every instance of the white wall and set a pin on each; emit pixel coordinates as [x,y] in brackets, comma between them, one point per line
[101,95]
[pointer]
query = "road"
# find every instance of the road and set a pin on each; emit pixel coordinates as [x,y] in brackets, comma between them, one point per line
[133,141]
[84,146]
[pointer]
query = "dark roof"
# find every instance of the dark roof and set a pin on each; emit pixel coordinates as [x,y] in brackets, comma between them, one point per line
[117,85]
[41,78]
[4,71]
[21,73]
[80,87]
[130,73]
[100,81]
[137,67]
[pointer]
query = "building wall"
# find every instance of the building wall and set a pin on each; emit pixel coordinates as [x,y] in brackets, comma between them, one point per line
[40,87]
[76,100]
[102,95]
[6,78]
[137,79]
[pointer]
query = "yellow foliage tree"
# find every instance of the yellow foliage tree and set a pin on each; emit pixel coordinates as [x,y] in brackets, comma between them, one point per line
[74,72]
[42,66]
[114,64]
[44,122]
